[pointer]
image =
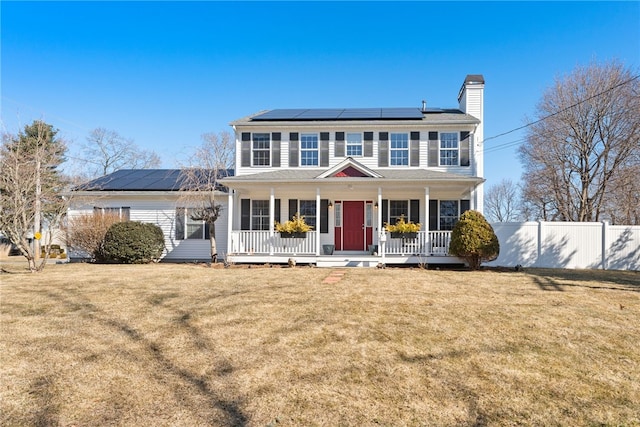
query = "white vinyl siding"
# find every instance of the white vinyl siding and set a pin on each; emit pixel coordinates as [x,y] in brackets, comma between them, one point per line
[161,210]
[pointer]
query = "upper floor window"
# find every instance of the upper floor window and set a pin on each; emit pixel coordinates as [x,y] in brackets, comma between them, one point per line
[309,149]
[261,149]
[354,144]
[399,149]
[449,149]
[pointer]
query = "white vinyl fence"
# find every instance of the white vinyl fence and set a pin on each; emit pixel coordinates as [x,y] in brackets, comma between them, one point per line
[595,245]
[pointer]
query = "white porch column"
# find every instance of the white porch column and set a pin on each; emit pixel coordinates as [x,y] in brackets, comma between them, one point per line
[272,218]
[381,242]
[473,199]
[317,222]
[426,208]
[379,214]
[230,201]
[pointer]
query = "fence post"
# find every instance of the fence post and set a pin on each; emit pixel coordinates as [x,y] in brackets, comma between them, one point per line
[539,243]
[605,263]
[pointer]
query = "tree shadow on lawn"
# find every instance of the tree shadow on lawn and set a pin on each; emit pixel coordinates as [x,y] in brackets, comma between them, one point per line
[231,408]
[558,280]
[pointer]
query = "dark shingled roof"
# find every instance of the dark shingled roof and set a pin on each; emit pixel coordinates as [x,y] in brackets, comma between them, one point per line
[139,180]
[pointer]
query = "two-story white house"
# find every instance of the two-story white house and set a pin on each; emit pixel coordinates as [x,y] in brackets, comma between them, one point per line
[351,171]
[347,171]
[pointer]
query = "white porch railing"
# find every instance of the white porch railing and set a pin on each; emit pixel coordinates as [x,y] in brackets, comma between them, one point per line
[425,243]
[261,242]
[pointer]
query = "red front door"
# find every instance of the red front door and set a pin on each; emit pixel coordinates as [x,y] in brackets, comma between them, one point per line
[353,226]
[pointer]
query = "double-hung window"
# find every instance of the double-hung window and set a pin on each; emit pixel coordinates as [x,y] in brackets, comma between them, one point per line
[399,149]
[449,149]
[449,214]
[308,210]
[259,214]
[354,145]
[261,149]
[188,228]
[123,213]
[397,209]
[309,149]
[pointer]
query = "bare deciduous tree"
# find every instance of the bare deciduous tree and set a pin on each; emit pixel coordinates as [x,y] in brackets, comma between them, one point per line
[107,151]
[502,202]
[587,130]
[30,190]
[211,161]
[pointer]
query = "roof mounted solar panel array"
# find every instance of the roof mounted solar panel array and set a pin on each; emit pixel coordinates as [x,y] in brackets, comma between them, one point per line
[339,114]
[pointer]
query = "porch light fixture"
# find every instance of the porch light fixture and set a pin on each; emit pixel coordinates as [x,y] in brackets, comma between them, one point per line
[375,205]
[330,205]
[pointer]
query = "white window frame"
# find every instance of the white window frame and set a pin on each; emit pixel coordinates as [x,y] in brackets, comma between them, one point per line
[187,222]
[397,217]
[258,214]
[123,212]
[338,214]
[255,150]
[452,218]
[309,218]
[307,150]
[454,151]
[392,150]
[354,142]
[368,215]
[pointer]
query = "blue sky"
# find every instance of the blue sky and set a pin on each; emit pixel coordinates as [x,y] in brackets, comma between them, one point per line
[163,73]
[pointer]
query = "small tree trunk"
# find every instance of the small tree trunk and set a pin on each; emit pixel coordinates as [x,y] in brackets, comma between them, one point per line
[212,241]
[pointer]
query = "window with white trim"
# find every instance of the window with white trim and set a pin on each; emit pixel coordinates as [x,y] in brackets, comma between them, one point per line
[307,208]
[338,213]
[309,149]
[399,149]
[397,209]
[261,149]
[124,212]
[259,214]
[187,228]
[369,215]
[449,153]
[449,214]
[354,144]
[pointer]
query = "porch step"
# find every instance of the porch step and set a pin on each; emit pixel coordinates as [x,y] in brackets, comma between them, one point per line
[349,261]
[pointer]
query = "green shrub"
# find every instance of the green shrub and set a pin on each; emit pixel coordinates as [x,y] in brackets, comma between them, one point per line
[474,240]
[133,242]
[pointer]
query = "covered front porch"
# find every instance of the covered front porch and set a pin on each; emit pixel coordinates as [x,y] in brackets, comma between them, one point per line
[347,207]
[427,247]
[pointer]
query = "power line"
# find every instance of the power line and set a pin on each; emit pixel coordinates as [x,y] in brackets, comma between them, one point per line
[564,109]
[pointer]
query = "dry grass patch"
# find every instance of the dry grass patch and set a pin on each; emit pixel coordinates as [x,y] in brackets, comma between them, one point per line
[187,345]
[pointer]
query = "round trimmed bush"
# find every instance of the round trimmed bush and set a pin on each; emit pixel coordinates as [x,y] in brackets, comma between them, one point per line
[474,240]
[133,242]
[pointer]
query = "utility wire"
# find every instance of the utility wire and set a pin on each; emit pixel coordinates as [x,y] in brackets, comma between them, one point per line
[564,109]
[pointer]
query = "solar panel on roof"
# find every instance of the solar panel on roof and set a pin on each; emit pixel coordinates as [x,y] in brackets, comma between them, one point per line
[401,113]
[282,114]
[320,113]
[360,113]
[340,114]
